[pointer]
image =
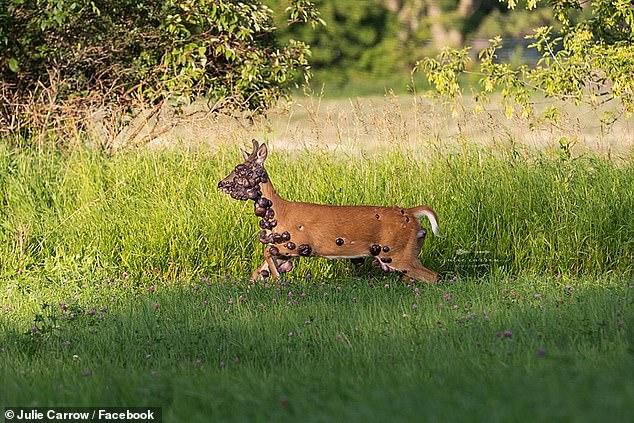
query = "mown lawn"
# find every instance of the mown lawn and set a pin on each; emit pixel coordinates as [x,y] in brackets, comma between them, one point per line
[366,349]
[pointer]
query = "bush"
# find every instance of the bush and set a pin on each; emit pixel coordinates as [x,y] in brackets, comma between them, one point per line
[73,55]
[588,58]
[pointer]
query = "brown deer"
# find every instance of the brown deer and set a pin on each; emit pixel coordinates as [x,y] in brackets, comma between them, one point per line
[392,235]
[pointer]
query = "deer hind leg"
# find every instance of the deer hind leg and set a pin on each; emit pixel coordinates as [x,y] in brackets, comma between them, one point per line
[411,267]
[416,271]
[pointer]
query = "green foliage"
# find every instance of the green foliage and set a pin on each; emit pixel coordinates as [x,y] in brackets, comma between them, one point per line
[358,38]
[590,59]
[372,46]
[443,71]
[514,23]
[118,52]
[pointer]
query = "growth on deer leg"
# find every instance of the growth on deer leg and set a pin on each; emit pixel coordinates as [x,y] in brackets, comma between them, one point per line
[285,266]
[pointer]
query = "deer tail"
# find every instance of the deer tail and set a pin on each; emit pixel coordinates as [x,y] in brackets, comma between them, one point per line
[428,212]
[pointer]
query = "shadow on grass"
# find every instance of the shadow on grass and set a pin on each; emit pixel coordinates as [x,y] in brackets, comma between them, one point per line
[473,349]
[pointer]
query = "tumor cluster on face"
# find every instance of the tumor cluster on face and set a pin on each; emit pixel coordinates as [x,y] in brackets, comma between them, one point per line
[246,183]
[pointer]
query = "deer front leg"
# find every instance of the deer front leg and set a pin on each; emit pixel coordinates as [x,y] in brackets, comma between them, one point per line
[280,264]
[272,263]
[257,273]
[269,267]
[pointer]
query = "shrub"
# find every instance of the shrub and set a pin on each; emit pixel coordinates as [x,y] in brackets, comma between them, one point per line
[588,59]
[73,55]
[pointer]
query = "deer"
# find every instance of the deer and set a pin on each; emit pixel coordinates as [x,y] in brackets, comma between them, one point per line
[393,236]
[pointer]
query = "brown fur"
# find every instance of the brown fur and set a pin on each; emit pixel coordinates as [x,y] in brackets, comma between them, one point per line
[396,230]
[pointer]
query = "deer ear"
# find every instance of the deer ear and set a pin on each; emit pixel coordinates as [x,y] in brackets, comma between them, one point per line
[255,146]
[245,154]
[261,154]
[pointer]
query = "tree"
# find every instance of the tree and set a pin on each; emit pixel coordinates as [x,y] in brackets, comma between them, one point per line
[81,54]
[358,38]
[379,40]
[589,59]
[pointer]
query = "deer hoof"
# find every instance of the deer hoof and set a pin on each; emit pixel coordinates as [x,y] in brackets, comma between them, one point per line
[264,273]
[386,249]
[290,245]
[273,250]
[375,249]
[269,214]
[286,236]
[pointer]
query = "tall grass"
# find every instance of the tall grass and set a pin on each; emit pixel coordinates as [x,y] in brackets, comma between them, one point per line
[112,269]
[80,214]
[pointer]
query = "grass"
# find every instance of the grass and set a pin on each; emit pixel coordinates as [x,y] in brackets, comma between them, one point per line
[491,349]
[159,215]
[122,282]
[362,86]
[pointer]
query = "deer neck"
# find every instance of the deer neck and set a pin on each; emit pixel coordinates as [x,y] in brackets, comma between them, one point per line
[268,191]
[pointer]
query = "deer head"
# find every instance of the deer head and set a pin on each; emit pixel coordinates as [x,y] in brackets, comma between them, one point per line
[243,183]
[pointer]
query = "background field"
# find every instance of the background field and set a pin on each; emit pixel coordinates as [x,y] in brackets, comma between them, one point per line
[123,281]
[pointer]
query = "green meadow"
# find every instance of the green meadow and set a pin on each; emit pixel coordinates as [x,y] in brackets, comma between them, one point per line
[124,281]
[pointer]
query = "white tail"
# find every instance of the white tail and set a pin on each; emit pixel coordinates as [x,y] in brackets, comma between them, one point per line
[421,211]
[392,235]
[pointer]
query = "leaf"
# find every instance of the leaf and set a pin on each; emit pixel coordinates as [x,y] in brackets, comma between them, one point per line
[14,65]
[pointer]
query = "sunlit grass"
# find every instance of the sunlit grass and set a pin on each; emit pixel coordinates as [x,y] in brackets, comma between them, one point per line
[123,282]
[160,215]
